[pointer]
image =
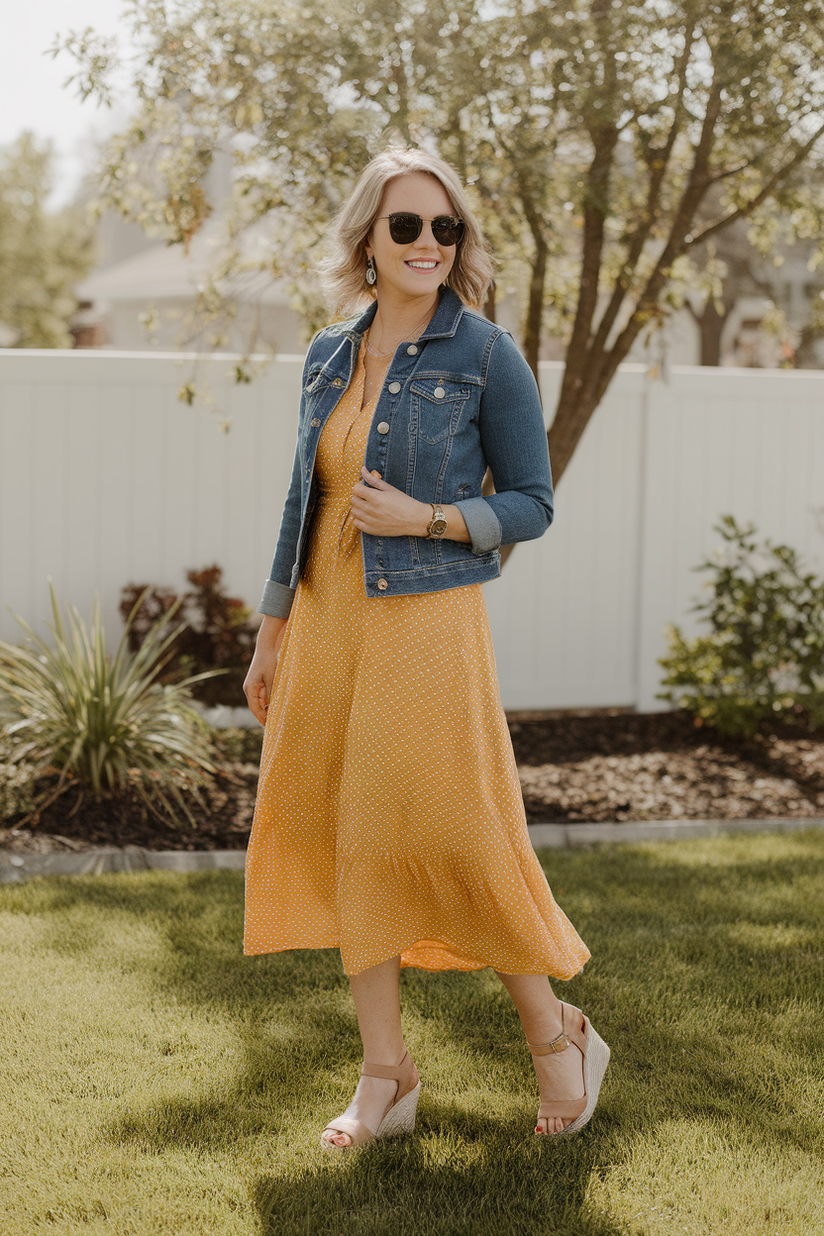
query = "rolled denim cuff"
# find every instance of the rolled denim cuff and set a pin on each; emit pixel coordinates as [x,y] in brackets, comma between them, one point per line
[482,524]
[276,600]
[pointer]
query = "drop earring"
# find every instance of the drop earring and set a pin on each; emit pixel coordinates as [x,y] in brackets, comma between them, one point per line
[371,273]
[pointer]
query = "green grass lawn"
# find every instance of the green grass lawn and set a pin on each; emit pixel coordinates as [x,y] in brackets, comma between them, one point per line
[156,1081]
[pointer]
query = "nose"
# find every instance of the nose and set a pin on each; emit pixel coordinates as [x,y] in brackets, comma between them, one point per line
[427,236]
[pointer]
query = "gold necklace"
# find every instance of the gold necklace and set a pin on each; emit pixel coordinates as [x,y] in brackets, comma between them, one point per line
[376,380]
[411,337]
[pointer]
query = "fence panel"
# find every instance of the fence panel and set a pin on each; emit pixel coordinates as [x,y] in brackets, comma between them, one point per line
[107,479]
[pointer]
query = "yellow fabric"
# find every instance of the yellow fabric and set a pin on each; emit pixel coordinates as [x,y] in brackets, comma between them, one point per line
[389,817]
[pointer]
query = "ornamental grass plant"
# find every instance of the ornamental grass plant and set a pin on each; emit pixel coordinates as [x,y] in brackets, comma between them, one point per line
[74,717]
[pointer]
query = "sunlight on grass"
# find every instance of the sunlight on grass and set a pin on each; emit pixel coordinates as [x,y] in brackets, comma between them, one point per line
[718,1181]
[162,1083]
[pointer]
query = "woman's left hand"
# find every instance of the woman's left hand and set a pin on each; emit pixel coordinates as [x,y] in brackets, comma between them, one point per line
[382,510]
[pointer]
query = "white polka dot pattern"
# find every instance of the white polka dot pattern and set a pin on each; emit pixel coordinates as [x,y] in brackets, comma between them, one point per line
[389,817]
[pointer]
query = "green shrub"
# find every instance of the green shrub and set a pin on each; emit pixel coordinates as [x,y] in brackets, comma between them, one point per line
[18,781]
[215,633]
[71,712]
[763,656]
[237,746]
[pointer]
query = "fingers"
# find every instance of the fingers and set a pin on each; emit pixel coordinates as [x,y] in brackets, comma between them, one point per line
[257,697]
[371,480]
[381,509]
[259,706]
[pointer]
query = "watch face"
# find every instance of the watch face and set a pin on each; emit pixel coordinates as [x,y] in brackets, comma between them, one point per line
[437,527]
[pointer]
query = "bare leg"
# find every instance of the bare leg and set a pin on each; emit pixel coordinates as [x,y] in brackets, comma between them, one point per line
[377,1004]
[559,1076]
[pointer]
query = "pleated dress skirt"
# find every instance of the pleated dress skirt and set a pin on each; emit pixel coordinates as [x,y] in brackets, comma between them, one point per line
[389,818]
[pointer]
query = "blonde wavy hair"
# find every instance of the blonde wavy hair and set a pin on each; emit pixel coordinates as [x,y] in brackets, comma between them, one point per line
[344,271]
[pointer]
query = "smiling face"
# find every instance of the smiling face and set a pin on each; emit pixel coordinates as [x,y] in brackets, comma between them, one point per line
[406,272]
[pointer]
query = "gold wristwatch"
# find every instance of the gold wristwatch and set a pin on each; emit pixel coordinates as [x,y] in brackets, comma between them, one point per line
[438,526]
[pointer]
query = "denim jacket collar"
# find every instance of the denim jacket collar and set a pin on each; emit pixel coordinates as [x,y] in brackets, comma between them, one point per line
[442,325]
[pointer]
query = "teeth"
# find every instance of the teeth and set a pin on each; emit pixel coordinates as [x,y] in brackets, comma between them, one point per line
[423,265]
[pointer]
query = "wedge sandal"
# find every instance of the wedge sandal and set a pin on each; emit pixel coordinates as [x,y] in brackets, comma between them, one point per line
[596,1058]
[399,1118]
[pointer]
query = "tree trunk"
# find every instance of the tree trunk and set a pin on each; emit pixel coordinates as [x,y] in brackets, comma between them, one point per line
[535,307]
[710,324]
[571,419]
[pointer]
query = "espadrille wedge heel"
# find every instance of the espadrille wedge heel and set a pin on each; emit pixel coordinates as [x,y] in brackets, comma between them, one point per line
[398,1119]
[596,1058]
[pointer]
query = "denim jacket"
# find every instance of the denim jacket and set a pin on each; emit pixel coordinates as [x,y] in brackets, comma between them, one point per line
[459,398]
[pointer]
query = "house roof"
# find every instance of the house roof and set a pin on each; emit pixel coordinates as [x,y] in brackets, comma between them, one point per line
[166,272]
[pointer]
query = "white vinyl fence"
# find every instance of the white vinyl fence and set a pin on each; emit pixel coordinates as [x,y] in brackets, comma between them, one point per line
[107,479]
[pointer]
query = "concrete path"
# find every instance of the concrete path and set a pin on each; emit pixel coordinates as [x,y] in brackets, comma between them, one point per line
[15,868]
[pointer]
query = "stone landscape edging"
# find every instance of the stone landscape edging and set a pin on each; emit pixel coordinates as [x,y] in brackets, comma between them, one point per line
[562,836]
[15,868]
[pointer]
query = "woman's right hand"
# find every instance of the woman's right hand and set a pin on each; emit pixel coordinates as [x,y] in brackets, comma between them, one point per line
[257,685]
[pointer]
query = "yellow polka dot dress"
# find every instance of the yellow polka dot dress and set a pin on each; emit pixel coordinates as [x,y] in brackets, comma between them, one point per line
[389,817]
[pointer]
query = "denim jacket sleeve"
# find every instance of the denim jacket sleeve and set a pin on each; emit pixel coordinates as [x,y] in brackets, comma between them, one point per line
[277,594]
[514,443]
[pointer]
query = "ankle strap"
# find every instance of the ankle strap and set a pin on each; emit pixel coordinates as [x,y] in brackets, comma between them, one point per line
[557,1045]
[562,1041]
[385,1070]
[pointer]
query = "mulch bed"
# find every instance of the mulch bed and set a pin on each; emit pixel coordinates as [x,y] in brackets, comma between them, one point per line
[616,766]
[599,766]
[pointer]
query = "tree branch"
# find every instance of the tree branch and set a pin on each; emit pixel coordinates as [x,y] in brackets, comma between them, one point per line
[695,189]
[658,166]
[742,212]
[535,309]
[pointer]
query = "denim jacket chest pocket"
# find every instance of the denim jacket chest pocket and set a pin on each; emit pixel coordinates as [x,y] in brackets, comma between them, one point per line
[437,406]
[318,381]
[321,389]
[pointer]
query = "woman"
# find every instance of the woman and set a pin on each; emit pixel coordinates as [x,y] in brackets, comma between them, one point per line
[389,819]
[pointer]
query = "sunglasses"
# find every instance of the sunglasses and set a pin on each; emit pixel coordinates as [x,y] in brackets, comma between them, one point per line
[405,228]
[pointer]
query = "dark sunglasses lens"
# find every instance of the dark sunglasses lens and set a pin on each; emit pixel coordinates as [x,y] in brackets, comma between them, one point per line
[404,229]
[447,230]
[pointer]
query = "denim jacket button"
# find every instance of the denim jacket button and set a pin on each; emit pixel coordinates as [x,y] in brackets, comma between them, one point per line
[394,387]
[315,423]
[383,427]
[411,350]
[439,392]
[382,584]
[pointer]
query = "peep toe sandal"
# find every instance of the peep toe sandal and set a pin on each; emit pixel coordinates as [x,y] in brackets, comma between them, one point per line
[596,1058]
[399,1118]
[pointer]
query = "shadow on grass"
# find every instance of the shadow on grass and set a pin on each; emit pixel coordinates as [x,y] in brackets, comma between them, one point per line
[455,1177]
[707,981]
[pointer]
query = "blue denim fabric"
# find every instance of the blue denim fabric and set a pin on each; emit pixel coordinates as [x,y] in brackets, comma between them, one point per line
[458,399]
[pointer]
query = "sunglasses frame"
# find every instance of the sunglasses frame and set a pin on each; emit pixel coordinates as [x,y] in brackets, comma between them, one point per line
[454,221]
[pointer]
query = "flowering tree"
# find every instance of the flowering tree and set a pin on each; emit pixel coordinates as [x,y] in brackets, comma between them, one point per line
[606,142]
[42,254]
